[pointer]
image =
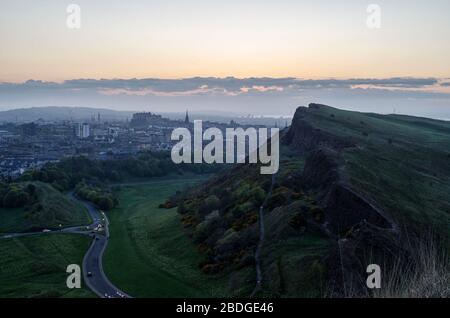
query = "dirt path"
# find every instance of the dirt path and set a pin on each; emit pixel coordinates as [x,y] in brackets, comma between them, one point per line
[259,276]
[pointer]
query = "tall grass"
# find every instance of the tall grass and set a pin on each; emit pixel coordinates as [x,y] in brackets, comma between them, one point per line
[425,274]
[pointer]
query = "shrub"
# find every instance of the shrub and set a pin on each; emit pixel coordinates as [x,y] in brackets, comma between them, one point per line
[210,204]
[104,199]
[105,203]
[241,209]
[181,209]
[15,198]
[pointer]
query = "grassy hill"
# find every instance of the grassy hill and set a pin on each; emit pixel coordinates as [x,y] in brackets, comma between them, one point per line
[353,189]
[49,209]
[399,163]
[35,266]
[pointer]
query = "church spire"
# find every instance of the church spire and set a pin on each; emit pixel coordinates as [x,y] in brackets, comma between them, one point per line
[186,119]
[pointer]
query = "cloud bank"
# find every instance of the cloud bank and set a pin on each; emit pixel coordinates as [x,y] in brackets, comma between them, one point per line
[268,96]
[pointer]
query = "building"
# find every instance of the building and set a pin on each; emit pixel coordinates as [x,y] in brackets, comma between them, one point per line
[145,119]
[82,130]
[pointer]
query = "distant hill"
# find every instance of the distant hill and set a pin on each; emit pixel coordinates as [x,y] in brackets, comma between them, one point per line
[55,113]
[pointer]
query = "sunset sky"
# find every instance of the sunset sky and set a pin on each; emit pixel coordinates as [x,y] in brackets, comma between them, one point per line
[176,39]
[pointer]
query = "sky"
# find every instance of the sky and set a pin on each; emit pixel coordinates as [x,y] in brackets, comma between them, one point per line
[168,46]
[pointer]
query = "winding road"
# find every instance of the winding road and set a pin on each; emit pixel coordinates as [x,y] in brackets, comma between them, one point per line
[93,273]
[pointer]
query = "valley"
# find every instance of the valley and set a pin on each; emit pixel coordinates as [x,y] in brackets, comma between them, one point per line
[149,254]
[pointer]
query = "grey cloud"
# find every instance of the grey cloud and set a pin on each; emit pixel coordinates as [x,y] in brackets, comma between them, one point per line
[261,95]
[228,84]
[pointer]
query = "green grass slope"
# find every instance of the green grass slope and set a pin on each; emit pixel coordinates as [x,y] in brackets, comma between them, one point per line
[401,163]
[35,266]
[149,254]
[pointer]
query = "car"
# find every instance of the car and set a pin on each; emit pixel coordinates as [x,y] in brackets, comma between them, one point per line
[89,274]
[46,231]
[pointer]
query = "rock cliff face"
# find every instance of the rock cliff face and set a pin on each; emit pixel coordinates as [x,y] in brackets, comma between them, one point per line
[304,136]
[353,223]
[344,207]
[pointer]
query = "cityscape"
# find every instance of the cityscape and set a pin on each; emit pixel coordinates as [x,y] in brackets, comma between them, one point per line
[26,146]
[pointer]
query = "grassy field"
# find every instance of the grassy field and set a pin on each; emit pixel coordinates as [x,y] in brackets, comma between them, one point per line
[12,220]
[55,209]
[35,266]
[149,255]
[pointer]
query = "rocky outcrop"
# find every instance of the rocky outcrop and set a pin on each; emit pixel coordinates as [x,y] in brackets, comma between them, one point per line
[305,137]
[344,207]
[321,170]
[352,221]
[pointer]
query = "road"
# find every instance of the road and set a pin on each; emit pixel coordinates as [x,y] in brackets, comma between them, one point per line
[93,273]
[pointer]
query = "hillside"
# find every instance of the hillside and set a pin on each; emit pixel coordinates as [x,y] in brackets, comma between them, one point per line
[46,208]
[397,165]
[35,266]
[353,189]
[55,113]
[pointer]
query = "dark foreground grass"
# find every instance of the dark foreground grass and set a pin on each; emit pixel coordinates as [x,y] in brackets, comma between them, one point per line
[13,220]
[35,266]
[149,254]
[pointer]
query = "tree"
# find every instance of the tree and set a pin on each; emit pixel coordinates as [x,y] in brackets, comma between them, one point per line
[211,203]
[15,198]
[105,203]
[31,188]
[258,194]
